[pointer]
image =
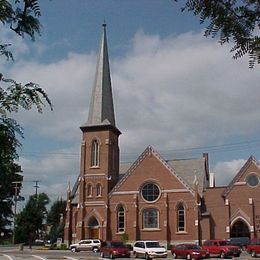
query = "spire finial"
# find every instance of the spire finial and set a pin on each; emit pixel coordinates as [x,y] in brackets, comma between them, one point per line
[104,23]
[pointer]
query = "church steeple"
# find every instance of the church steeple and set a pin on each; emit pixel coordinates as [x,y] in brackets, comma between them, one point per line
[101,109]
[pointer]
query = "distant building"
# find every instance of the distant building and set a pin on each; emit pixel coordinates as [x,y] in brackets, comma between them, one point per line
[170,201]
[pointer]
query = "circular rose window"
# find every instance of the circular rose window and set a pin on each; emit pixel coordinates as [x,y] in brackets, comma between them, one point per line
[252,180]
[150,192]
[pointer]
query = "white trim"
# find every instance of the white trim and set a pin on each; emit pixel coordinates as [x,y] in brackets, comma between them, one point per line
[125,192]
[242,219]
[175,190]
[239,183]
[95,203]
[137,192]
[94,174]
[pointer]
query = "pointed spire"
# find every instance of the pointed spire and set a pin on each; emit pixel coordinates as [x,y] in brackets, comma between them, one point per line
[101,110]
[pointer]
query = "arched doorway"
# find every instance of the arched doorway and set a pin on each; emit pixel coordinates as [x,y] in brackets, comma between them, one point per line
[240,229]
[93,228]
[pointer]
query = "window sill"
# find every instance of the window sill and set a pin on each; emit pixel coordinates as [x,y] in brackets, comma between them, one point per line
[94,167]
[181,232]
[151,229]
[120,233]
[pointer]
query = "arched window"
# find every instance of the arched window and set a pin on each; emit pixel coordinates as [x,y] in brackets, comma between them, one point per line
[120,219]
[89,190]
[94,153]
[98,190]
[150,218]
[180,218]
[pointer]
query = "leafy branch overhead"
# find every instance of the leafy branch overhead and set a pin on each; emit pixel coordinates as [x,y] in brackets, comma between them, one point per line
[17,95]
[21,17]
[233,21]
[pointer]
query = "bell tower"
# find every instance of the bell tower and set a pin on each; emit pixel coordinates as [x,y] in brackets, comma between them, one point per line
[99,166]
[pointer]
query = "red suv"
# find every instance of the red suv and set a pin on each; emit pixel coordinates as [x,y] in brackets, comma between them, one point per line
[253,248]
[221,248]
[114,249]
[188,251]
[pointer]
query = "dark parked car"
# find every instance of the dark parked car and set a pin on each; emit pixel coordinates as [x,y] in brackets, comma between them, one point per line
[188,251]
[253,248]
[113,249]
[242,242]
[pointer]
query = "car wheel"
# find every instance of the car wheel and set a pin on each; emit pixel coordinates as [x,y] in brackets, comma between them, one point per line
[147,257]
[111,256]
[95,249]
[222,255]
[135,254]
[174,255]
[102,255]
[73,249]
[253,253]
[188,256]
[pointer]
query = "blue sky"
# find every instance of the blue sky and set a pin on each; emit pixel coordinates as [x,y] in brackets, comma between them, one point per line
[173,88]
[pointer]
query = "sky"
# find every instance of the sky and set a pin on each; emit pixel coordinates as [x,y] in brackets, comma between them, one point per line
[173,89]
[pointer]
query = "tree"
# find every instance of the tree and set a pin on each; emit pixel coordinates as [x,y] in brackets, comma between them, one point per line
[233,21]
[22,18]
[9,171]
[55,220]
[30,222]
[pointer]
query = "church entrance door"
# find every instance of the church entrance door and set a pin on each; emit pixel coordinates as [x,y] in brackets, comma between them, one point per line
[240,229]
[93,228]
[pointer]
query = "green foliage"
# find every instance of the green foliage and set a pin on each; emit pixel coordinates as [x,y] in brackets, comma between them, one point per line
[25,96]
[22,17]
[9,170]
[124,237]
[232,21]
[55,220]
[30,221]
[54,246]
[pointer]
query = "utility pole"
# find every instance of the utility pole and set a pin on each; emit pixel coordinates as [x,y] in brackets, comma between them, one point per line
[36,187]
[16,188]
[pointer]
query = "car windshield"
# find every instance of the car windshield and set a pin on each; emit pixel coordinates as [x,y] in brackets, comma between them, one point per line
[193,247]
[222,243]
[152,244]
[117,245]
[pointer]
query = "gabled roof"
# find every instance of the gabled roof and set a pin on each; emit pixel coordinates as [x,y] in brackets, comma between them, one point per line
[101,110]
[251,159]
[149,150]
[191,169]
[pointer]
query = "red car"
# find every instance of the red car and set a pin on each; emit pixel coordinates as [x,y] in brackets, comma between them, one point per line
[221,248]
[113,249]
[253,248]
[188,251]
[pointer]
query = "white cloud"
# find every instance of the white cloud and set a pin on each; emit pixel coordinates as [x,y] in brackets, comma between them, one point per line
[172,93]
[226,171]
[54,171]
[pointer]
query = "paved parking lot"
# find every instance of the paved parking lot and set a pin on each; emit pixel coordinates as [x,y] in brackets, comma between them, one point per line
[15,254]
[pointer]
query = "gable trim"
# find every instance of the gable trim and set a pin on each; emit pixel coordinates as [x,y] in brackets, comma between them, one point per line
[148,152]
[239,174]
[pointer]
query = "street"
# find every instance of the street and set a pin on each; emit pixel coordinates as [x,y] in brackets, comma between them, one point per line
[13,253]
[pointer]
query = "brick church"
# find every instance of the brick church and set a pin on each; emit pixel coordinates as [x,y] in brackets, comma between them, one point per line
[171,201]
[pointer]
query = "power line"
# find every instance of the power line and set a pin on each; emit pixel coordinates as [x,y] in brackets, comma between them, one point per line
[229,147]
